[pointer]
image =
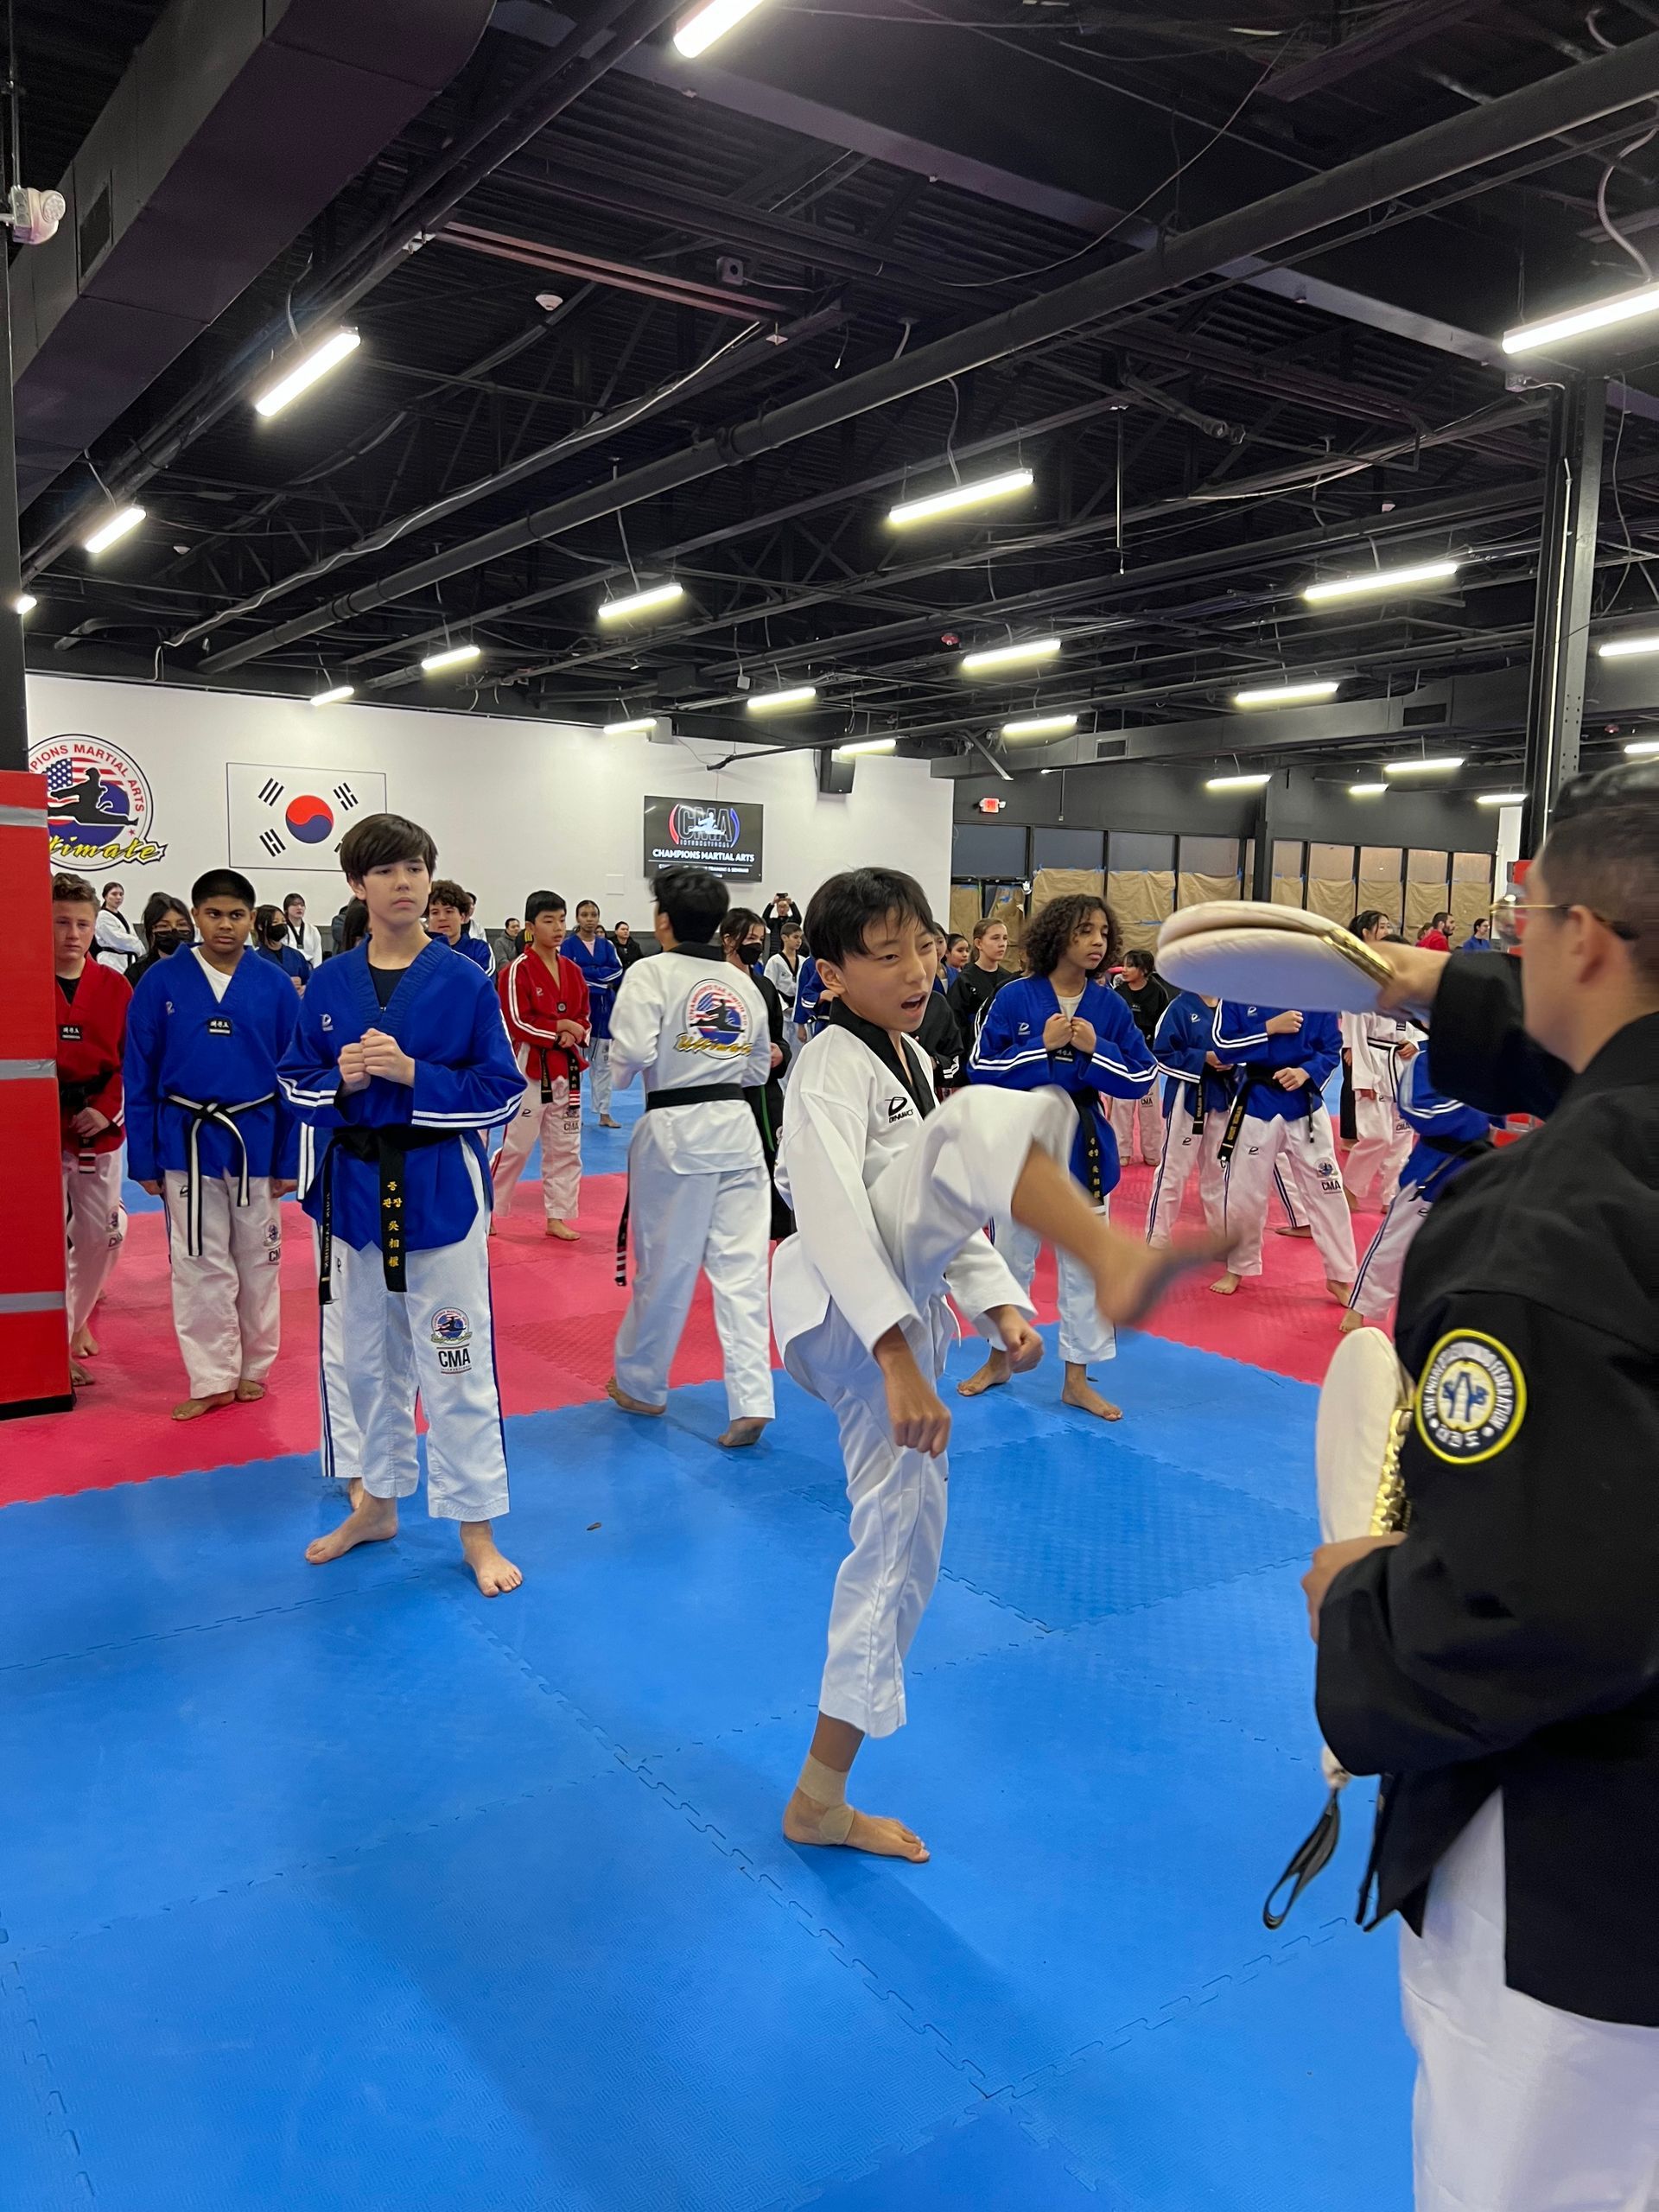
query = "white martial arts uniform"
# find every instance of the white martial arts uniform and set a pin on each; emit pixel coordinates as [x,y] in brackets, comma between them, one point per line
[92,1019]
[1449,1136]
[403,1199]
[1180,1043]
[116,943]
[1137,1123]
[203,1120]
[1382,1139]
[95,1222]
[1282,1132]
[699,1198]
[888,1206]
[1520,2107]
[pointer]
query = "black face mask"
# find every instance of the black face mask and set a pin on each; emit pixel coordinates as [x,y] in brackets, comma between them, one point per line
[165,941]
[751,953]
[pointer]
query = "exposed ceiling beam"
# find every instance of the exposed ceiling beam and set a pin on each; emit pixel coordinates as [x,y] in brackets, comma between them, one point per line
[1406,26]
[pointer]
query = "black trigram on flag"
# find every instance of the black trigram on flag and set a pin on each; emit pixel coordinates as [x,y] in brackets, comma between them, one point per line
[272,844]
[270,791]
[346,797]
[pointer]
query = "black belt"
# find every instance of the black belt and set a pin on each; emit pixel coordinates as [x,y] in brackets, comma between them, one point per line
[202,1113]
[1453,1151]
[386,1148]
[1087,1103]
[700,1094]
[572,1074]
[1252,1073]
[74,1097]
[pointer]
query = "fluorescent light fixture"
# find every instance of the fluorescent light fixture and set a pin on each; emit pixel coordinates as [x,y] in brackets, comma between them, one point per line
[1236,783]
[1500,798]
[327,353]
[332,698]
[25,603]
[640,602]
[781,703]
[712,20]
[865,745]
[1379,583]
[1041,726]
[999,657]
[1644,748]
[1004,487]
[1628,648]
[1432,766]
[1366,790]
[451,657]
[1601,315]
[641,726]
[113,527]
[1286,695]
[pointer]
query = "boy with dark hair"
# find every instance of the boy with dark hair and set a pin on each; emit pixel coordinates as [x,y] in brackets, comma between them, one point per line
[399,1063]
[1062,1024]
[693,1026]
[448,917]
[92,1005]
[207,1130]
[601,971]
[889,1191]
[545,1001]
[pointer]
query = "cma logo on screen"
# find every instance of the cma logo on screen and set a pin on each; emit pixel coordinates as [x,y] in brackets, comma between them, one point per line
[704,827]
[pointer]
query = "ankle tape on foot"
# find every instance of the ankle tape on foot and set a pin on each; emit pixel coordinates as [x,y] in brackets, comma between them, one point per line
[825,1790]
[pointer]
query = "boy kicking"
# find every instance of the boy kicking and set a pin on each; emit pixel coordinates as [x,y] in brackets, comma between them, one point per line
[890,1190]
[400,1063]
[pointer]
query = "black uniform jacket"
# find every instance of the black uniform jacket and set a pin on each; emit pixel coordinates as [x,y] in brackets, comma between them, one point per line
[1512,1640]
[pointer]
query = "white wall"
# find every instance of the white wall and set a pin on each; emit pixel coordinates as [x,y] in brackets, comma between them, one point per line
[514,806]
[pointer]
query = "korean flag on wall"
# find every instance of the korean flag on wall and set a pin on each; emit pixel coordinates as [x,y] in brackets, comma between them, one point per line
[295,818]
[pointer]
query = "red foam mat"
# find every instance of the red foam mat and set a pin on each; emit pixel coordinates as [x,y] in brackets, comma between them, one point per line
[556,1310]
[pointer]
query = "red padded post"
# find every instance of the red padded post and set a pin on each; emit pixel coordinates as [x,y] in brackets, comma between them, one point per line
[34,1333]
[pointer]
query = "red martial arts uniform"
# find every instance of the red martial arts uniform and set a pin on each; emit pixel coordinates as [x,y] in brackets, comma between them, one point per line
[534,999]
[92,1031]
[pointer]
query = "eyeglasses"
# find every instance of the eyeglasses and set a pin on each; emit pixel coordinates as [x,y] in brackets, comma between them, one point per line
[1510,917]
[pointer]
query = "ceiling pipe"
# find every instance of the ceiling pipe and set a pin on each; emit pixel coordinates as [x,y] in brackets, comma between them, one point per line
[1583,94]
[611,30]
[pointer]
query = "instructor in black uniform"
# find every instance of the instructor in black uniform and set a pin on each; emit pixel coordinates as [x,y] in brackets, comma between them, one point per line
[1499,1665]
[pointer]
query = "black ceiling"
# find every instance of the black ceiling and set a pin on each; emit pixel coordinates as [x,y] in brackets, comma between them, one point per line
[884,173]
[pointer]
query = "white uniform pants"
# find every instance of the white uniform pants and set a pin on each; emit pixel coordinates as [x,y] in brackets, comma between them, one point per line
[95,1227]
[436,1338]
[1085,1335]
[559,1127]
[1139,1119]
[1183,1150]
[1382,1143]
[341,1447]
[1304,1150]
[927,1203]
[1377,1284]
[719,1224]
[227,1305]
[1520,2107]
[599,1076]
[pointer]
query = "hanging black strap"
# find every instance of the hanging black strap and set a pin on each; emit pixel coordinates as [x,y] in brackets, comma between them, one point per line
[386,1149]
[1311,1858]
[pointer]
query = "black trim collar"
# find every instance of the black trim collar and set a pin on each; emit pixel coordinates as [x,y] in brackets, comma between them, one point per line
[897,1063]
[699,952]
[1630,1056]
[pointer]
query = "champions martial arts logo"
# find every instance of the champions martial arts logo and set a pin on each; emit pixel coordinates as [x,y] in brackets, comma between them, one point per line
[698,830]
[98,809]
[716,1020]
[451,1332]
[1472,1398]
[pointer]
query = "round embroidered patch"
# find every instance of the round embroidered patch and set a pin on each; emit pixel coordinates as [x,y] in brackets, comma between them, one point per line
[1472,1398]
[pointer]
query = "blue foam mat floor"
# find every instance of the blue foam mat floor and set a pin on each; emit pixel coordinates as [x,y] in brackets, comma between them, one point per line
[342,1888]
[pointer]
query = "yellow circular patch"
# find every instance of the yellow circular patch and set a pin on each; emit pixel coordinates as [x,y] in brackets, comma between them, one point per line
[1472,1398]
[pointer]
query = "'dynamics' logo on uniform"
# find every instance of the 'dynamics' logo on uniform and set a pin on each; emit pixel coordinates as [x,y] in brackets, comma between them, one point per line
[98,810]
[716,1020]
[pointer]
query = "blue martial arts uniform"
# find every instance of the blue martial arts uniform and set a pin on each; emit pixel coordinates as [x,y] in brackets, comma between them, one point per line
[1239,1033]
[809,1013]
[601,971]
[292,962]
[1182,1039]
[201,1072]
[1010,1050]
[1449,1134]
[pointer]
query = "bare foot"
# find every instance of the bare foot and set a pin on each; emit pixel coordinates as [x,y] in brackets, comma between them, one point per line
[563,1231]
[991,1376]
[80,1378]
[247,1391]
[1342,1292]
[1130,1277]
[871,1831]
[193,1409]
[1349,1323]
[619,1396]
[83,1345]
[495,1574]
[1293,1228]
[370,1521]
[1077,1390]
[1224,1286]
[741,1432]
[605,1122]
